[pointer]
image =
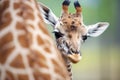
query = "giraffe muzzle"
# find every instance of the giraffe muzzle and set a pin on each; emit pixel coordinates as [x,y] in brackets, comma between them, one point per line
[74,58]
[73,55]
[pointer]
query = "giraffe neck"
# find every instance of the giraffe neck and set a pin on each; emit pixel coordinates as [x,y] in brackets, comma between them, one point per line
[69,68]
[24,44]
[61,48]
[68,65]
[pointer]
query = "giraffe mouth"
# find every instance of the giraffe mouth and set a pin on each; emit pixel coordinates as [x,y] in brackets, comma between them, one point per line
[74,58]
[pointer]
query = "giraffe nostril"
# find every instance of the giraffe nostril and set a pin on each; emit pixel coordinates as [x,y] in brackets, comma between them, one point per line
[75,51]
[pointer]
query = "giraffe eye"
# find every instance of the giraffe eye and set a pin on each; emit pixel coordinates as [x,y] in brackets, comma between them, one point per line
[58,35]
[84,37]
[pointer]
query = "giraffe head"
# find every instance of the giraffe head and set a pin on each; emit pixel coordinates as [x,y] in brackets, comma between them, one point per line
[70,31]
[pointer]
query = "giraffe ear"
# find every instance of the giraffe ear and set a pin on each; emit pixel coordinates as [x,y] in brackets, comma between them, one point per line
[47,14]
[97,29]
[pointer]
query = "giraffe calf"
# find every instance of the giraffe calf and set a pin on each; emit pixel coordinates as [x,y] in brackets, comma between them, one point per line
[70,31]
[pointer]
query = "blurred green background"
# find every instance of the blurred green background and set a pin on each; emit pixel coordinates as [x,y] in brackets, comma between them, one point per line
[100,55]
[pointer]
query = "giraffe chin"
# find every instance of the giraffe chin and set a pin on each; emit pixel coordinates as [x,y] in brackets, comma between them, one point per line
[74,58]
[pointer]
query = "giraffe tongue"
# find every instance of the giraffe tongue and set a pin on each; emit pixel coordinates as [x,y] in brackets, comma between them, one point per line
[74,58]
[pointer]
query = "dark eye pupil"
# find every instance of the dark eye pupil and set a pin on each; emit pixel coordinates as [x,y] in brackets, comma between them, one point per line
[84,37]
[58,35]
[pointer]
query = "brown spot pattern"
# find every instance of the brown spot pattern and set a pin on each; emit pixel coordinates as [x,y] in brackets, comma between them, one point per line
[18,62]
[56,68]
[17,5]
[36,59]
[23,77]
[25,12]
[6,39]
[4,54]
[29,15]
[3,7]
[47,49]
[5,20]
[40,40]
[24,41]
[41,76]
[42,28]
[9,76]
[20,26]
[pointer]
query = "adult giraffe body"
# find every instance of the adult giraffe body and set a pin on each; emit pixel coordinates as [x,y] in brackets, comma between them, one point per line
[27,51]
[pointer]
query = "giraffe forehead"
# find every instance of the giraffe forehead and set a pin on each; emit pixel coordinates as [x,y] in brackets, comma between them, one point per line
[71,22]
[73,25]
[71,19]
